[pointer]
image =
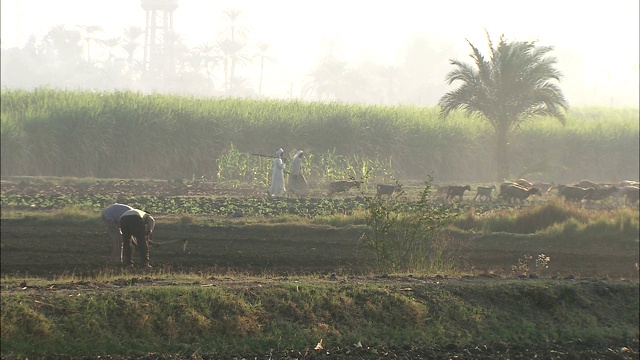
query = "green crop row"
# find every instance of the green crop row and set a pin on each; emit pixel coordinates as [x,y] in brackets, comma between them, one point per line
[222,206]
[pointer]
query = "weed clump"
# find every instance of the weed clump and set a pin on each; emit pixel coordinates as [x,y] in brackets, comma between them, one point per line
[409,238]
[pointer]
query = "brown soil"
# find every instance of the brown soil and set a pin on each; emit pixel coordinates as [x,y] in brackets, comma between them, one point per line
[330,254]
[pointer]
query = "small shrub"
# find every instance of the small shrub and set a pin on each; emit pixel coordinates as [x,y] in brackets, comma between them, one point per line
[405,238]
[529,265]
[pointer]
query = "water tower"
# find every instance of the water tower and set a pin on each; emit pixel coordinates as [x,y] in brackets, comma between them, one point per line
[159,26]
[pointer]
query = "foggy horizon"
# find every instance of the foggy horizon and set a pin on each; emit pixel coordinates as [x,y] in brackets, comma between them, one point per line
[596,48]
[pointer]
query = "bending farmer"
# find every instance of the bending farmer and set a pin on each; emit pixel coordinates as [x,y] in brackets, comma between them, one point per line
[139,225]
[111,217]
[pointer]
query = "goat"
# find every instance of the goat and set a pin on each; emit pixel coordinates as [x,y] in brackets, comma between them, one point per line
[388,190]
[484,192]
[442,190]
[585,184]
[512,192]
[458,191]
[343,186]
[602,193]
[625,183]
[545,188]
[524,183]
[505,185]
[631,193]
[574,193]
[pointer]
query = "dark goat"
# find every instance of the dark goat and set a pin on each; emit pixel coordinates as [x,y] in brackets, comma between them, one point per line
[484,192]
[602,193]
[512,192]
[631,193]
[343,186]
[585,184]
[574,193]
[506,184]
[389,190]
[455,190]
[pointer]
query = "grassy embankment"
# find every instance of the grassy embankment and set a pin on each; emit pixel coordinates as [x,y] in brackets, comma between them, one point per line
[256,315]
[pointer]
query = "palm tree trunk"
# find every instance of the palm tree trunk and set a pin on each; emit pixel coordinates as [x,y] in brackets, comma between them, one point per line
[502,154]
[226,75]
[261,71]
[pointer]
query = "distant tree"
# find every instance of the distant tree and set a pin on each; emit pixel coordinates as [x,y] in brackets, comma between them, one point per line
[205,58]
[174,53]
[62,45]
[388,74]
[22,68]
[326,80]
[130,43]
[89,34]
[515,85]
[233,30]
[60,52]
[112,44]
[264,57]
[234,39]
[231,51]
[421,64]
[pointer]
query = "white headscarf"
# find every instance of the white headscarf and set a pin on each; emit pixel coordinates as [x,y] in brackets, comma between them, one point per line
[279,152]
[299,153]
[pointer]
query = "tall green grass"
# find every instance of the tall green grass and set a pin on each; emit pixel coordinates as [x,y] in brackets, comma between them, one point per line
[48,132]
[555,218]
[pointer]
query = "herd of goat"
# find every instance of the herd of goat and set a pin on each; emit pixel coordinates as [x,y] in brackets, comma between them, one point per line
[514,191]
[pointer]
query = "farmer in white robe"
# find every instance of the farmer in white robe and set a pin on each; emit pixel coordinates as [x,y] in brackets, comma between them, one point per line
[297,183]
[111,217]
[277,175]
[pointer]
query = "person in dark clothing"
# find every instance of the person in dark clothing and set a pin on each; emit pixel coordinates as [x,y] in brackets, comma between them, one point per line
[136,226]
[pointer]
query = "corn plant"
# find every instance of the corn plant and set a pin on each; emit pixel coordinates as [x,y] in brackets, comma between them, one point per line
[235,167]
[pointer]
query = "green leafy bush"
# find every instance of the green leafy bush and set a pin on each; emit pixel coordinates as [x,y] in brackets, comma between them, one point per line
[407,238]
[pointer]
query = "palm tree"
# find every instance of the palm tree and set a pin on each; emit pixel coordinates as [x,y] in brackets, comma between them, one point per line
[233,31]
[263,47]
[231,51]
[515,85]
[327,80]
[205,57]
[62,44]
[130,42]
[234,38]
[89,33]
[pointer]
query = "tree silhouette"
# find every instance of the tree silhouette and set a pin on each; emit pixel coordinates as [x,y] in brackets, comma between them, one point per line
[263,48]
[62,44]
[234,38]
[130,43]
[326,79]
[88,33]
[231,51]
[205,58]
[515,85]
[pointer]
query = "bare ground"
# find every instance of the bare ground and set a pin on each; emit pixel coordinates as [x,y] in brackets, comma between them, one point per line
[236,258]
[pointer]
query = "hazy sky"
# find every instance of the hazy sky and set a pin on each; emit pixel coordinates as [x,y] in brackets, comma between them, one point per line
[603,35]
